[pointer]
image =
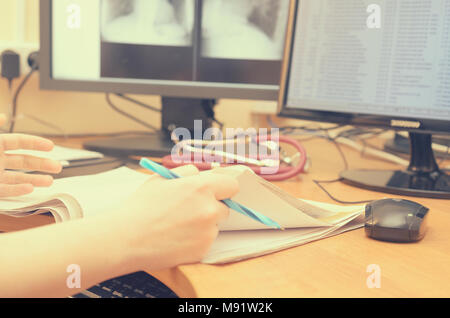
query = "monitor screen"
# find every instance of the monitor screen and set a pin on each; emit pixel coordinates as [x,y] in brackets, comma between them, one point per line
[351,59]
[174,44]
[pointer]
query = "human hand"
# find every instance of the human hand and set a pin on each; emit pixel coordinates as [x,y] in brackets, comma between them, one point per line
[13,183]
[172,222]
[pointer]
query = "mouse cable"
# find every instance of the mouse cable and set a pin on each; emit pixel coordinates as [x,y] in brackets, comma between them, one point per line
[291,129]
[319,184]
[123,113]
[344,159]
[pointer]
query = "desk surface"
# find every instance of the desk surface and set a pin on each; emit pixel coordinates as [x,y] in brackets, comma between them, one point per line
[333,267]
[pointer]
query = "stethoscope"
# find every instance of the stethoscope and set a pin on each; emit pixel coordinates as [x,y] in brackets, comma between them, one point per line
[202,154]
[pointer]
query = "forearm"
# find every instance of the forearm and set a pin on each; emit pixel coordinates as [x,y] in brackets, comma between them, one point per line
[34,263]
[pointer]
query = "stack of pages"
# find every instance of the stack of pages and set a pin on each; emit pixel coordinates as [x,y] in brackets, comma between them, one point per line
[62,154]
[240,238]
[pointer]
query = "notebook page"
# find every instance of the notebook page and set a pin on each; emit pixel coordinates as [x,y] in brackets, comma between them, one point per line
[99,193]
[256,196]
[235,246]
[82,196]
[37,203]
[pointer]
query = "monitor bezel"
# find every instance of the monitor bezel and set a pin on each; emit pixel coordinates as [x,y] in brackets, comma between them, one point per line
[183,89]
[356,119]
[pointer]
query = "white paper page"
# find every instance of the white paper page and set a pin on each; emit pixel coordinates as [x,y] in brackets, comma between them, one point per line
[59,208]
[100,192]
[240,245]
[314,211]
[34,201]
[335,213]
[82,196]
[256,196]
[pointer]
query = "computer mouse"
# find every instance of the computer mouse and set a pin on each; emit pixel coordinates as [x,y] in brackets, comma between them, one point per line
[396,220]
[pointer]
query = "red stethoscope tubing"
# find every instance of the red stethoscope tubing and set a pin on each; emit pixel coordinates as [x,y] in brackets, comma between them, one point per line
[283,172]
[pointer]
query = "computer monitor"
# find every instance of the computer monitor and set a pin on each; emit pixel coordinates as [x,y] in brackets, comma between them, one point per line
[190,52]
[383,65]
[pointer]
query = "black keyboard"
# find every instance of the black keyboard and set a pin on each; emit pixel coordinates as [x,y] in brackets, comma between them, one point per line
[137,285]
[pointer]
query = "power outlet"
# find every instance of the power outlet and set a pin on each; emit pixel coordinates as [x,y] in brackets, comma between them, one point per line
[23,49]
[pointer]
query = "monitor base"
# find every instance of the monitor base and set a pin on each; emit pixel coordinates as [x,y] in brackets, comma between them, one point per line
[422,178]
[156,146]
[431,185]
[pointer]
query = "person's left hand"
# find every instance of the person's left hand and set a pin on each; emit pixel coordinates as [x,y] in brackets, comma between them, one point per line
[14,183]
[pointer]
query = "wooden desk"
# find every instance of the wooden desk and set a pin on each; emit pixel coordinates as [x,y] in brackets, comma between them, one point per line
[333,267]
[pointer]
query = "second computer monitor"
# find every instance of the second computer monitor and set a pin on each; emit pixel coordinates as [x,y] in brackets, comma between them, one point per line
[379,64]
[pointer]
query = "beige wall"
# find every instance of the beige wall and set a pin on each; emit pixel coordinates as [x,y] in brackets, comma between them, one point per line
[79,113]
[8,20]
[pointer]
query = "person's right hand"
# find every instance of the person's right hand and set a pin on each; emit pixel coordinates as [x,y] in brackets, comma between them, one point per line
[172,222]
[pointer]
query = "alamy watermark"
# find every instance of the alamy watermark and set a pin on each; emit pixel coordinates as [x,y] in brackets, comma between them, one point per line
[374,279]
[73,281]
[374,18]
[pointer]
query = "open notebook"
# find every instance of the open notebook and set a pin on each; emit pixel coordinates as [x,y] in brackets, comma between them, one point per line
[240,238]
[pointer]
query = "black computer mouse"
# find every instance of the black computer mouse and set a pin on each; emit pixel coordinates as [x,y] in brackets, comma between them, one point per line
[396,220]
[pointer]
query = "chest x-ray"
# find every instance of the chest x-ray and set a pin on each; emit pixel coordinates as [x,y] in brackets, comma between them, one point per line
[233,29]
[228,41]
[153,22]
[244,29]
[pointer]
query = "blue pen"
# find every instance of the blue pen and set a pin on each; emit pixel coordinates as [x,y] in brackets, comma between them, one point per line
[166,173]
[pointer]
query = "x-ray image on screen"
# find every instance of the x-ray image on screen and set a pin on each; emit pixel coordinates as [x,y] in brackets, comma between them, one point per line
[242,41]
[152,22]
[147,39]
[244,29]
[221,41]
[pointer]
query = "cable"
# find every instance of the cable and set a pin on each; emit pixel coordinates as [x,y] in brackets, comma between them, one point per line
[343,138]
[336,140]
[346,165]
[33,62]
[319,184]
[341,152]
[221,124]
[11,96]
[123,113]
[307,128]
[152,108]
[16,97]
[47,124]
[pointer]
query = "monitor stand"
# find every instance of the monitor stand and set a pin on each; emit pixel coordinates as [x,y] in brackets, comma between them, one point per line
[423,178]
[401,145]
[176,112]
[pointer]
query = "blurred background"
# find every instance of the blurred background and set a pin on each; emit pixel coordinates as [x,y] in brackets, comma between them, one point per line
[78,113]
